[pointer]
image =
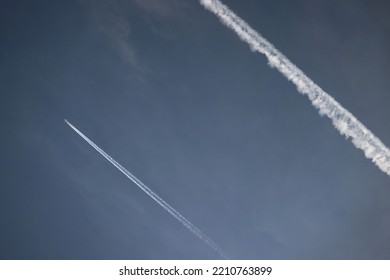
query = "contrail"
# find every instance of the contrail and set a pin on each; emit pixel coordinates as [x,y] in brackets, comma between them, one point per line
[342,119]
[153,195]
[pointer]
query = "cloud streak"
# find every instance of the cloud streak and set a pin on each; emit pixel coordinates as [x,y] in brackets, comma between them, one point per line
[153,195]
[342,119]
[110,19]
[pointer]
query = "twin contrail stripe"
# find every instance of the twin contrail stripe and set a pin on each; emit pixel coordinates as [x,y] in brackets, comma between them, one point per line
[343,120]
[153,195]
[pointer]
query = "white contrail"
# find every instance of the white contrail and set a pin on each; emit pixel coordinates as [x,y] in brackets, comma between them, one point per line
[343,120]
[153,195]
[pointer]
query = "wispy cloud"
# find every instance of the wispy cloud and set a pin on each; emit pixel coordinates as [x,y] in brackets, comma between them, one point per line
[110,19]
[162,8]
[153,195]
[342,119]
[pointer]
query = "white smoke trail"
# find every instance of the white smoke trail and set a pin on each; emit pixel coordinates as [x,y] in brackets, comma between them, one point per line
[153,195]
[343,120]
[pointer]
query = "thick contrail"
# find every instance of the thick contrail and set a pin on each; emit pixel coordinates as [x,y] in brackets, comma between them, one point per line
[343,120]
[153,195]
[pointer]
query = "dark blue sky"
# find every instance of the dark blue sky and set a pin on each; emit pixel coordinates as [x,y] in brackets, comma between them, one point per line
[181,102]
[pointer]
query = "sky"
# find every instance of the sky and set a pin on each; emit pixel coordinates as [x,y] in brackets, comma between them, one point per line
[176,98]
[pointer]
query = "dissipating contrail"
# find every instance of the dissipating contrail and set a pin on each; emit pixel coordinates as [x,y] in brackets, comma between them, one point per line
[153,195]
[342,119]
